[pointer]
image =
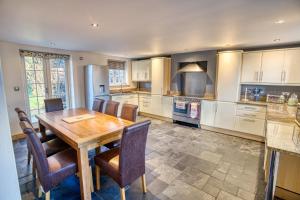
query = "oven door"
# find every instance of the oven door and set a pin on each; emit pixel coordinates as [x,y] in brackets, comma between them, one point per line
[182,110]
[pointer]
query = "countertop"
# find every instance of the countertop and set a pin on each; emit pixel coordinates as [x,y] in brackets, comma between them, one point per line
[276,112]
[282,137]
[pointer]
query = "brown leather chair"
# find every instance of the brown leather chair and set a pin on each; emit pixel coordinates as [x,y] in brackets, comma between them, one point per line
[129,113]
[53,104]
[127,163]
[112,108]
[53,169]
[98,105]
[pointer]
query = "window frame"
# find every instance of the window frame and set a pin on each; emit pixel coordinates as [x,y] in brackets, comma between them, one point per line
[125,81]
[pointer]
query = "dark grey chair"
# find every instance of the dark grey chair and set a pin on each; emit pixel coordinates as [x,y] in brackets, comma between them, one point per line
[98,105]
[112,108]
[53,104]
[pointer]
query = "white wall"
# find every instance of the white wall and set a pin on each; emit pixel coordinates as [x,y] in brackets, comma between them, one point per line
[9,185]
[14,75]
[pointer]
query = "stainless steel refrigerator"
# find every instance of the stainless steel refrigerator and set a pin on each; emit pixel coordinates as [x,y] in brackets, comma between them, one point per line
[96,84]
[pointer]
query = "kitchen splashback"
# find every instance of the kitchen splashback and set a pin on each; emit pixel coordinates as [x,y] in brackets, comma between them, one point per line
[270,89]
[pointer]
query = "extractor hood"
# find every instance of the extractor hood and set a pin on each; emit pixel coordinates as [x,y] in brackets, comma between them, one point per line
[192,67]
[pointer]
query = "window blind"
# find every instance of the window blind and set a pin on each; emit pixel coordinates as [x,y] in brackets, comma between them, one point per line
[116,64]
[39,54]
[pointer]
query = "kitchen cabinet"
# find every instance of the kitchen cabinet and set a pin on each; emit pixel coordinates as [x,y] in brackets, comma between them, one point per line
[272,66]
[250,125]
[251,67]
[141,70]
[225,115]
[291,74]
[160,75]
[145,102]
[208,112]
[167,106]
[125,98]
[228,75]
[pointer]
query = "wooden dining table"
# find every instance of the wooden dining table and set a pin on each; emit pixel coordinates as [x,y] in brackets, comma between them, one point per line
[83,130]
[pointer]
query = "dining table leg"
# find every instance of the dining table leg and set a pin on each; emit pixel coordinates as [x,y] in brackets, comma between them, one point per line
[84,173]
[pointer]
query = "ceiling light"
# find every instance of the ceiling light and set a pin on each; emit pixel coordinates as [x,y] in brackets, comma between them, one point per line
[280,21]
[94,25]
[52,44]
[276,40]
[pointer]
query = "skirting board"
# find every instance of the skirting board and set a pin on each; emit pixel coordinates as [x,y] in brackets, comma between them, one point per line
[156,117]
[18,136]
[234,133]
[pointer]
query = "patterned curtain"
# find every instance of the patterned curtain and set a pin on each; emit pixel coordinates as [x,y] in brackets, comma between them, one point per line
[43,54]
[116,64]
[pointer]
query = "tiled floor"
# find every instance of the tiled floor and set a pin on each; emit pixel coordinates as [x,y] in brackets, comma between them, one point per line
[182,163]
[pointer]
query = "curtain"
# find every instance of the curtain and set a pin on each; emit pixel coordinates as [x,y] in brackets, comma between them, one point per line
[116,64]
[43,54]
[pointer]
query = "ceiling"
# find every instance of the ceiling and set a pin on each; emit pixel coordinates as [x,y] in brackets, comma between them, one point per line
[139,28]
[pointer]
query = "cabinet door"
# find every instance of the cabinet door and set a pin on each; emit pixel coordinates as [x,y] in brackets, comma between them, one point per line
[225,115]
[145,70]
[272,66]
[292,66]
[134,70]
[251,67]
[208,112]
[250,125]
[156,105]
[167,106]
[228,75]
[157,70]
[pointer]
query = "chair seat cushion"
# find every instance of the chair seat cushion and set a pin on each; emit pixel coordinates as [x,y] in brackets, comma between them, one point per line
[54,146]
[62,165]
[108,161]
[49,136]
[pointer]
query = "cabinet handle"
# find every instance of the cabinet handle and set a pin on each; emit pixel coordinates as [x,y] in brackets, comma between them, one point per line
[261,75]
[281,78]
[249,115]
[284,76]
[249,108]
[249,120]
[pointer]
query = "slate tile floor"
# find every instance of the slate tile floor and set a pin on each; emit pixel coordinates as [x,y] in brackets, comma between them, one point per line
[182,163]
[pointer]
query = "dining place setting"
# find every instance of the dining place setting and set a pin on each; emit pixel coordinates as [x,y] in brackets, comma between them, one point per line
[59,147]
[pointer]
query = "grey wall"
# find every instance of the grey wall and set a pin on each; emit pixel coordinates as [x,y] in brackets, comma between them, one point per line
[209,56]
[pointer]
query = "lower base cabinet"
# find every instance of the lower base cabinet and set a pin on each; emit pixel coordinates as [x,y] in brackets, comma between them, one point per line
[250,125]
[225,115]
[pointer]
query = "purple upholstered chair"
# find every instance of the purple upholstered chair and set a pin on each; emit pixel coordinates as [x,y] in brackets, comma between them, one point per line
[53,104]
[127,163]
[112,108]
[98,105]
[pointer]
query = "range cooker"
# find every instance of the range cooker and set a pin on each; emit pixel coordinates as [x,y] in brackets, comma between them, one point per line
[187,109]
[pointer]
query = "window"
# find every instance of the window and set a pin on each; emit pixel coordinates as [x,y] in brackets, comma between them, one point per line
[45,78]
[117,73]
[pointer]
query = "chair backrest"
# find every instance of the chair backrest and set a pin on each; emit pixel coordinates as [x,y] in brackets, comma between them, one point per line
[129,112]
[112,108]
[132,152]
[98,105]
[37,151]
[54,104]
[23,117]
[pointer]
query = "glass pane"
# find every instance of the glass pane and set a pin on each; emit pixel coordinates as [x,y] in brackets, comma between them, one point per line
[41,102]
[39,76]
[40,89]
[28,63]
[33,113]
[38,63]
[54,77]
[30,77]
[31,90]
[33,103]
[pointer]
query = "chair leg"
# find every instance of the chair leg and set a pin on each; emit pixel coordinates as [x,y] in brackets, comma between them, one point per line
[47,195]
[91,178]
[144,183]
[28,158]
[122,193]
[97,177]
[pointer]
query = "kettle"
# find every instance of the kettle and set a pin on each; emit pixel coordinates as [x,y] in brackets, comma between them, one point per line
[293,100]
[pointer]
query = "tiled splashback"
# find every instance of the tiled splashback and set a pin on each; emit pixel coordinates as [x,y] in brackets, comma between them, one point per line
[144,86]
[268,89]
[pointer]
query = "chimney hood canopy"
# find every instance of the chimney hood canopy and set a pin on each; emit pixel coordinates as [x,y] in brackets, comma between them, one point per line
[193,67]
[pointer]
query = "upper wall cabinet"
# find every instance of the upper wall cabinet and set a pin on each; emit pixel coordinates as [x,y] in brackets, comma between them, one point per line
[160,73]
[272,66]
[291,72]
[251,67]
[141,70]
[279,67]
[228,75]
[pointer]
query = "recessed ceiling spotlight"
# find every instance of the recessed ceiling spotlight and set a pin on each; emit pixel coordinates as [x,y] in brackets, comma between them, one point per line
[280,21]
[52,44]
[94,25]
[276,40]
